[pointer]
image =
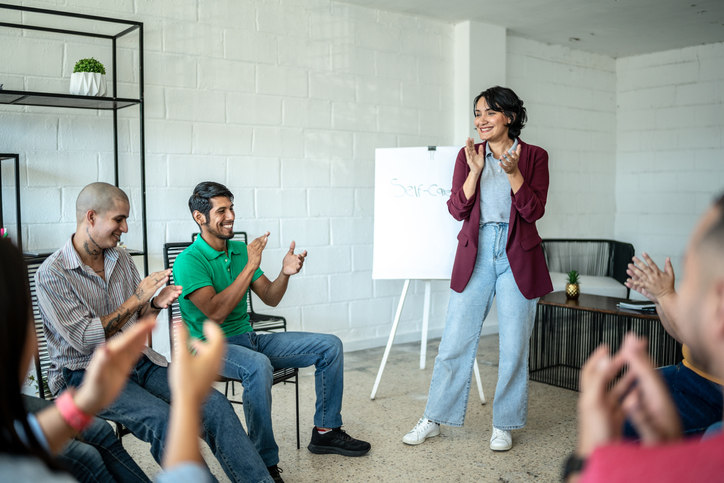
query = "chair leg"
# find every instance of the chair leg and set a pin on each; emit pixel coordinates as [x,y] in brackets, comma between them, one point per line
[296,390]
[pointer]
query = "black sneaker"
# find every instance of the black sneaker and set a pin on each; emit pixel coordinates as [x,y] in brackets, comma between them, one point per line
[337,441]
[274,472]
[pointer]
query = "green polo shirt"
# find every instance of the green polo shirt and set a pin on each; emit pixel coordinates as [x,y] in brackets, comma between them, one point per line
[201,266]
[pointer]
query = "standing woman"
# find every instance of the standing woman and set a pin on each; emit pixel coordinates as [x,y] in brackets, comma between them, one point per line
[499,190]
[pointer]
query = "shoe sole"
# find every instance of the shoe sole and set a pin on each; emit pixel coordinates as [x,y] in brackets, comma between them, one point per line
[317,449]
[415,443]
[500,449]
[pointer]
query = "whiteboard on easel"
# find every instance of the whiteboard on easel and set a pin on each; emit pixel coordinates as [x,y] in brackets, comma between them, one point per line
[415,236]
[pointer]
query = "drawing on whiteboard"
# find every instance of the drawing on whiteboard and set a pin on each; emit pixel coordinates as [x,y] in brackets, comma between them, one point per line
[418,190]
[414,235]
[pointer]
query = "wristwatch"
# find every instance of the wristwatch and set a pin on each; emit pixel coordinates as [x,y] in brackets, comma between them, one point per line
[574,464]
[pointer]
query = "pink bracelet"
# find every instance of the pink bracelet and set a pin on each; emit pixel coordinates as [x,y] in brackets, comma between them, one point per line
[71,413]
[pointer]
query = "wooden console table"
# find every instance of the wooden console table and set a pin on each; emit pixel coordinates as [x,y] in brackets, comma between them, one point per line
[567,331]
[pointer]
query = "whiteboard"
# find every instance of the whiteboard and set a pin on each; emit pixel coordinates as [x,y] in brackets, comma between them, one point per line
[415,235]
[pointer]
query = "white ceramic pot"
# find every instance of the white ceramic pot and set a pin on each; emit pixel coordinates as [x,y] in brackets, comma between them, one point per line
[87,84]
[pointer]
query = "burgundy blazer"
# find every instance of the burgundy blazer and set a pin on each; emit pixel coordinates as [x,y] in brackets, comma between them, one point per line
[523,247]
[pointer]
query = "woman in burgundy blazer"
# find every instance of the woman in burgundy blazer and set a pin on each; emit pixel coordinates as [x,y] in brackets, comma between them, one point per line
[499,191]
[523,246]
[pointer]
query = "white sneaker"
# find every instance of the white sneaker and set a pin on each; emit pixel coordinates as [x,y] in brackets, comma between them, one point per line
[423,429]
[501,440]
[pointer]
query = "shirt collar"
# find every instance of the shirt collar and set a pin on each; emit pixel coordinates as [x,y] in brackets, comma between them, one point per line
[210,253]
[71,260]
[489,153]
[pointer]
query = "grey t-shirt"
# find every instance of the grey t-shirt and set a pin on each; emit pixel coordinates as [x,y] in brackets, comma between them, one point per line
[494,189]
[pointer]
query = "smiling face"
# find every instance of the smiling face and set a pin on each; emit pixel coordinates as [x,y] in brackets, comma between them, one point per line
[220,223]
[492,126]
[108,226]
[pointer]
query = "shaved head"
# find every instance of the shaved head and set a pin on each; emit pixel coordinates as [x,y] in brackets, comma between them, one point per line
[700,299]
[99,197]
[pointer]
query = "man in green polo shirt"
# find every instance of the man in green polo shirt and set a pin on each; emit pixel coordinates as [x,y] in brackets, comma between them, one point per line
[215,272]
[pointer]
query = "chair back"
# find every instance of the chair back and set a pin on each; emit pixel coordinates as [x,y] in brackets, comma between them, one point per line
[170,252]
[42,358]
[596,257]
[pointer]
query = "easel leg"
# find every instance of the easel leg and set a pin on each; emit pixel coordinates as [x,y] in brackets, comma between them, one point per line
[391,338]
[425,323]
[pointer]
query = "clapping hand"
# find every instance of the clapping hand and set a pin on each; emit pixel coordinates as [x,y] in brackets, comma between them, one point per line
[292,262]
[649,280]
[191,375]
[647,403]
[475,159]
[107,373]
[639,395]
[255,248]
[151,284]
[167,295]
[509,161]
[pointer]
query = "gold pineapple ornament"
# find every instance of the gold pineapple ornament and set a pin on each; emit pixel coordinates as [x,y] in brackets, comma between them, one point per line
[572,288]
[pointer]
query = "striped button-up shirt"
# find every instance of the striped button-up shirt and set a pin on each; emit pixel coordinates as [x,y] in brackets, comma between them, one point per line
[72,299]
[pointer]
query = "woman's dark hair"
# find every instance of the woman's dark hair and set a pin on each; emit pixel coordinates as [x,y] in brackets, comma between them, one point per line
[15,314]
[200,199]
[502,99]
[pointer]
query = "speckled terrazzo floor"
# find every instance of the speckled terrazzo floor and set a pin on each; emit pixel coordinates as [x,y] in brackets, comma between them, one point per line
[458,454]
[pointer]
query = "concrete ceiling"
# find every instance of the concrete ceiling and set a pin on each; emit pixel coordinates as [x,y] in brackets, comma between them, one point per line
[616,28]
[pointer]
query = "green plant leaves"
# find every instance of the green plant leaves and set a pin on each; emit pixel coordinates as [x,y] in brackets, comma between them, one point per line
[89,65]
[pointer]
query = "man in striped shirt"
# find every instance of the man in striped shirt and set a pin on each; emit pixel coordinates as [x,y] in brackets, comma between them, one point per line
[90,290]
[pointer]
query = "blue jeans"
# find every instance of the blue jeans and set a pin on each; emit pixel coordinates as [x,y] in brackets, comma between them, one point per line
[450,386]
[144,407]
[252,357]
[697,399]
[96,454]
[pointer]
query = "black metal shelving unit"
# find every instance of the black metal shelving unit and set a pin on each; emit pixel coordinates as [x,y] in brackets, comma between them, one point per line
[18,220]
[118,29]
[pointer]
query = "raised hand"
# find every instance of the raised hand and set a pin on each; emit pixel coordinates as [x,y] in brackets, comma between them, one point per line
[254,250]
[292,262]
[649,280]
[600,416]
[647,404]
[191,375]
[509,161]
[151,284]
[108,370]
[475,159]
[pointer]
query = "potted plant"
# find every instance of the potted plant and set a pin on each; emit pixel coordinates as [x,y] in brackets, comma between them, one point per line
[88,78]
[572,288]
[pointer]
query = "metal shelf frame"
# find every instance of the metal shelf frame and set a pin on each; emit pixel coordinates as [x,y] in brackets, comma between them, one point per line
[18,220]
[119,28]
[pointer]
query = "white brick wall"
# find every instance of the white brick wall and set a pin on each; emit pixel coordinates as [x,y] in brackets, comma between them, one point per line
[570,98]
[670,160]
[283,102]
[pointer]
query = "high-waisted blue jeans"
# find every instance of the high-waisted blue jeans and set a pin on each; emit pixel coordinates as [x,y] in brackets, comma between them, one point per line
[450,386]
